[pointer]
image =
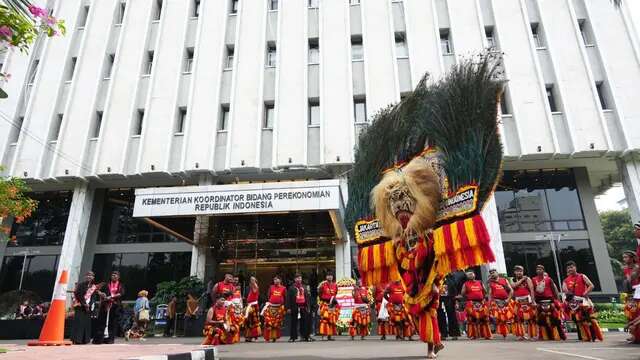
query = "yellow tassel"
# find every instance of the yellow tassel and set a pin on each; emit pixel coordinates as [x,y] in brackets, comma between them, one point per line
[471,232]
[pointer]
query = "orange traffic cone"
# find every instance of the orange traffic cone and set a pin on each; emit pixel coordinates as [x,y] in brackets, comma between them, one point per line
[52,332]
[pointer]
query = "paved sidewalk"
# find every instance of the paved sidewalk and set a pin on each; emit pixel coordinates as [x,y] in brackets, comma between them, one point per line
[613,348]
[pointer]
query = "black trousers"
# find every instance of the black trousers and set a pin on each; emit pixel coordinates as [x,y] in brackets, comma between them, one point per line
[304,322]
[113,316]
[168,330]
[447,319]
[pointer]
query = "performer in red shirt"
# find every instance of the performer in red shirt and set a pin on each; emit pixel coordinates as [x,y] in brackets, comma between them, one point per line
[525,305]
[636,232]
[500,293]
[549,309]
[476,308]
[274,310]
[577,286]
[252,313]
[631,272]
[361,315]
[398,314]
[383,322]
[216,324]
[327,289]
[224,288]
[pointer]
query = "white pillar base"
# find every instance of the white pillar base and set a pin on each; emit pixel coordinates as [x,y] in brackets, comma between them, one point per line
[75,235]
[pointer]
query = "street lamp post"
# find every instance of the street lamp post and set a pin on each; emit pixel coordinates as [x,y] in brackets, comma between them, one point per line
[555,249]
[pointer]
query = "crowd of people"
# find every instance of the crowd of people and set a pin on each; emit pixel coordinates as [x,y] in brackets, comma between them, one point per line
[530,308]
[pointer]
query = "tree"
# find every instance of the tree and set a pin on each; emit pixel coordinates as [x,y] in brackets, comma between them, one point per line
[14,203]
[21,23]
[618,234]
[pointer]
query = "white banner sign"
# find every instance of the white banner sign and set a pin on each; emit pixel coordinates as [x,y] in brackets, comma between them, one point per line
[236,199]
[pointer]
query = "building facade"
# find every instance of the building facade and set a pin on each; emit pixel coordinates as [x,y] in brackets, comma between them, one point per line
[255,101]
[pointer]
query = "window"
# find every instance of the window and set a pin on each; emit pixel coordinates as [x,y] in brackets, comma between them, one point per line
[157,11]
[182,118]
[228,64]
[34,71]
[47,225]
[72,68]
[57,125]
[271,55]
[82,21]
[120,13]
[504,103]
[269,116]
[551,98]
[314,113]
[537,37]
[491,41]
[357,52]
[224,118]
[401,46]
[234,7]
[582,24]
[142,270]
[360,111]
[273,5]
[354,2]
[601,95]
[314,52]
[148,66]
[15,134]
[445,42]
[108,69]
[39,274]
[196,8]
[97,125]
[137,127]
[188,61]
[313,4]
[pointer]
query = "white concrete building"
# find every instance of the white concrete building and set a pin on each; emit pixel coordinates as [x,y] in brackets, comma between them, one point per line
[240,97]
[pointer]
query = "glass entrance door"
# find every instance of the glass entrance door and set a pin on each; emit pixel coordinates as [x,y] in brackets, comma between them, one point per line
[270,244]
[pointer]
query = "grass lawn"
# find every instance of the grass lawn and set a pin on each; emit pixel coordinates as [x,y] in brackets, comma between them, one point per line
[612,325]
[2,351]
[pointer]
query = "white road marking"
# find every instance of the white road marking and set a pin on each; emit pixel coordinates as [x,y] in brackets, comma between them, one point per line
[570,354]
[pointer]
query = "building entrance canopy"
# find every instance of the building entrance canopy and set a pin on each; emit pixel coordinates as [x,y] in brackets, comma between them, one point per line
[239,199]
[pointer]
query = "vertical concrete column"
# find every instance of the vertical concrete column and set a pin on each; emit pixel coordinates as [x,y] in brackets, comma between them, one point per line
[596,235]
[630,173]
[99,199]
[75,235]
[200,237]
[490,216]
[343,257]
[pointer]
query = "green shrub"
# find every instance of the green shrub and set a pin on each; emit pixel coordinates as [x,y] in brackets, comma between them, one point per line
[188,285]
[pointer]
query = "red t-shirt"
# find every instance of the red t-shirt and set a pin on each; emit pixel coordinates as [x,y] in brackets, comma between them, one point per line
[219,313]
[327,290]
[521,290]
[499,289]
[300,299]
[361,295]
[475,290]
[548,287]
[379,295]
[276,294]
[253,295]
[224,289]
[396,293]
[576,284]
[236,293]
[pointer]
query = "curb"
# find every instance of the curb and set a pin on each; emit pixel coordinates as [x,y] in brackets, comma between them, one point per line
[204,354]
[612,330]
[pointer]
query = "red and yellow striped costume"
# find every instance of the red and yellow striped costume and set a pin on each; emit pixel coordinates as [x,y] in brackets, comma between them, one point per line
[218,334]
[550,320]
[478,320]
[329,319]
[585,318]
[252,328]
[502,312]
[632,312]
[525,319]
[360,320]
[273,320]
